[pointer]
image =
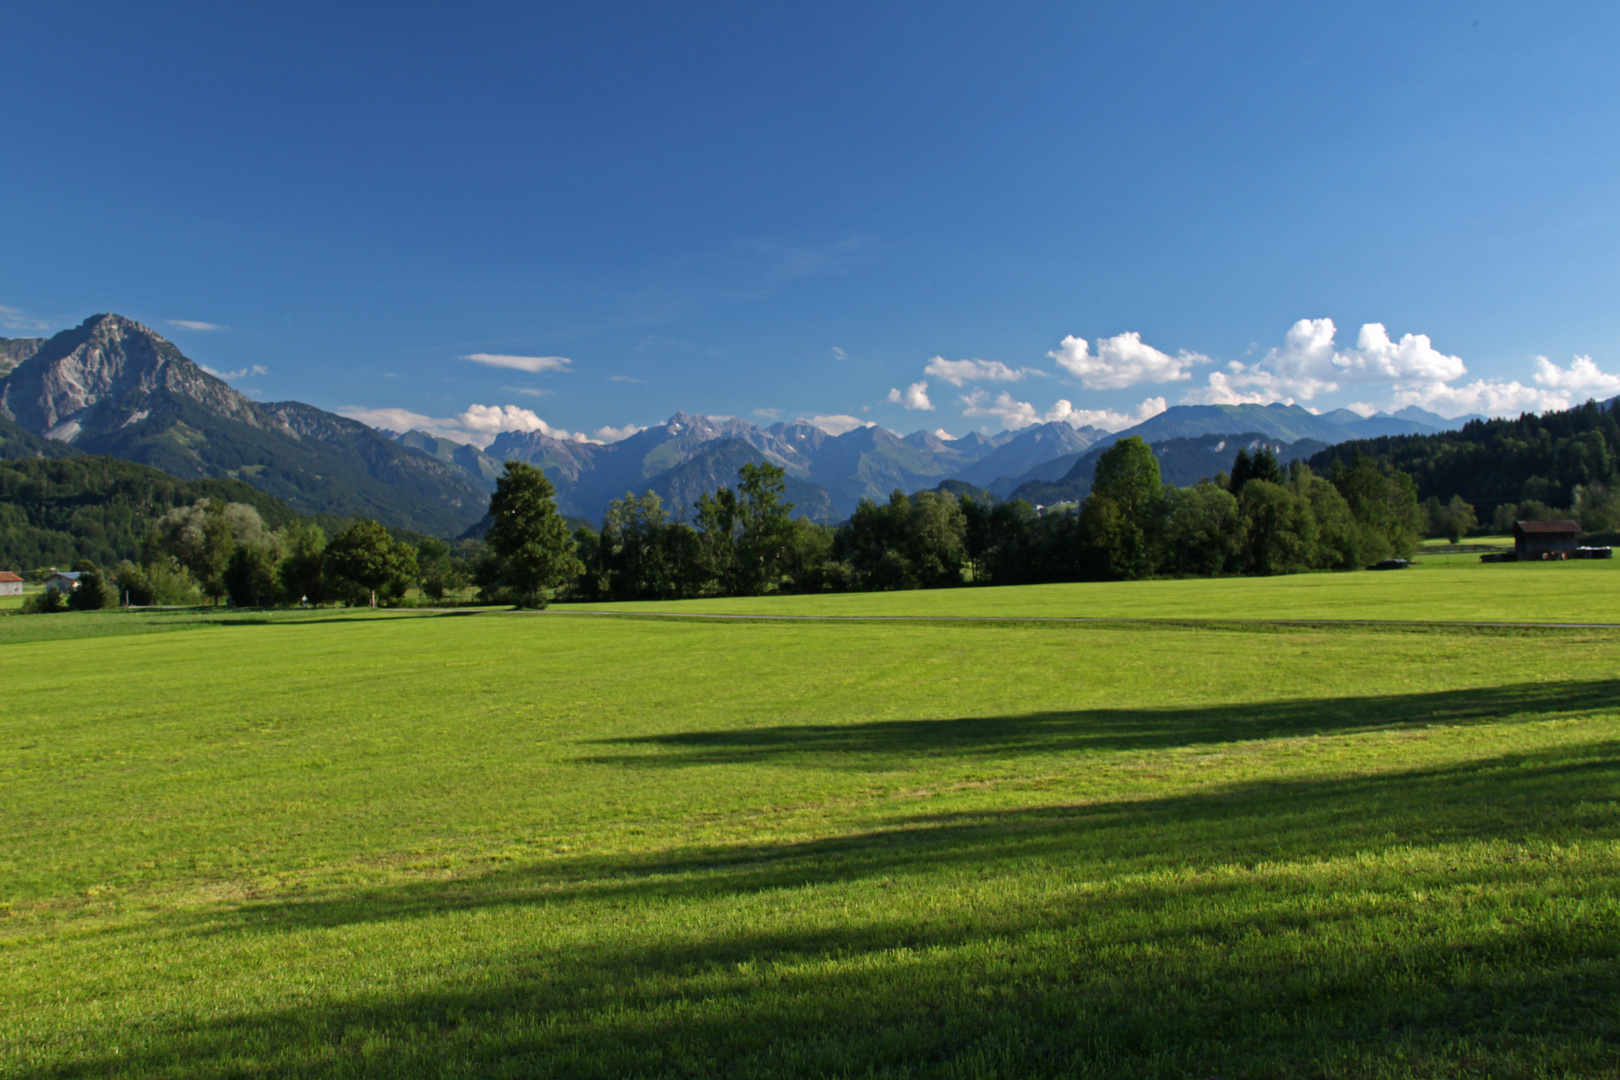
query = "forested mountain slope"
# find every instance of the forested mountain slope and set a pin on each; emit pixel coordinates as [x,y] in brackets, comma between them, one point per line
[100,508]
[1491,462]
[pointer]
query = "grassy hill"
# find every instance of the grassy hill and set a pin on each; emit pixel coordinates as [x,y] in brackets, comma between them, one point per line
[555,845]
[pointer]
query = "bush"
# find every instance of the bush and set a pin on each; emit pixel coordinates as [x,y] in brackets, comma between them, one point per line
[93,593]
[44,603]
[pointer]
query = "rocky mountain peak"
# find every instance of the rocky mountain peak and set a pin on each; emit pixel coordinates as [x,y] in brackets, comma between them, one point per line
[105,371]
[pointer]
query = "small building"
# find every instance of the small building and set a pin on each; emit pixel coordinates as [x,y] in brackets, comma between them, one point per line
[62,582]
[10,584]
[1545,540]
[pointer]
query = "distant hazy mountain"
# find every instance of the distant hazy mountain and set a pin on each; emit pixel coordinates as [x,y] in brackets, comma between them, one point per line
[469,459]
[112,386]
[1287,423]
[1029,448]
[828,475]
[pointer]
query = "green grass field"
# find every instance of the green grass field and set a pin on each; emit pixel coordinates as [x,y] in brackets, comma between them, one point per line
[515,844]
[1448,589]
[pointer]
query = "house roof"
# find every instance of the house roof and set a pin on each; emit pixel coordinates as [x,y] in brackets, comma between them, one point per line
[7,575]
[1544,527]
[71,575]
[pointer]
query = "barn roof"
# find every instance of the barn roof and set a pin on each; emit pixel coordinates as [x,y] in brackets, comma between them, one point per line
[7,575]
[71,575]
[1543,527]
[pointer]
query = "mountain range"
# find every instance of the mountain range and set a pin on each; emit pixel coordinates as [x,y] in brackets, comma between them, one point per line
[114,387]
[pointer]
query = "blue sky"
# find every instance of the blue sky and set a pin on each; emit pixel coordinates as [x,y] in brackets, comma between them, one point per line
[742,209]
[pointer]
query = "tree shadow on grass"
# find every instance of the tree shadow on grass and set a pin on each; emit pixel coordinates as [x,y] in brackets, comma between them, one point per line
[1515,798]
[1111,970]
[1113,729]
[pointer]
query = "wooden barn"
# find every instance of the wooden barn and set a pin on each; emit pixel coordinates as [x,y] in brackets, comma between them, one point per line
[10,584]
[1545,540]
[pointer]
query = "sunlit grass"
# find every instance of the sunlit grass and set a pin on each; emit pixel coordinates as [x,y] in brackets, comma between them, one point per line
[525,844]
[1447,588]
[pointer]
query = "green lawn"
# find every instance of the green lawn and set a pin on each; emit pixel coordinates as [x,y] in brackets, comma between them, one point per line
[1454,588]
[502,844]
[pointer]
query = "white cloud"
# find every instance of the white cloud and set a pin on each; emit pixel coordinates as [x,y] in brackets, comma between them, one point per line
[1308,363]
[494,419]
[1582,377]
[193,324]
[767,414]
[1219,391]
[624,379]
[253,369]
[16,319]
[531,364]
[914,396]
[957,372]
[1492,397]
[480,424]
[837,424]
[614,434]
[943,434]
[1015,414]
[527,391]
[1122,360]
[839,354]
[1378,359]
[391,419]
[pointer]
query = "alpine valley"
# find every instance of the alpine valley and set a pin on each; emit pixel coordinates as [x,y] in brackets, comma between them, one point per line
[114,387]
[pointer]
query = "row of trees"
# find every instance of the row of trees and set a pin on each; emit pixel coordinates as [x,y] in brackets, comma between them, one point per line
[745,541]
[1259,520]
[215,550]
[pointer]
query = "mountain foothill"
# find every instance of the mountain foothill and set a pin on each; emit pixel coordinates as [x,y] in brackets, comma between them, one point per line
[113,387]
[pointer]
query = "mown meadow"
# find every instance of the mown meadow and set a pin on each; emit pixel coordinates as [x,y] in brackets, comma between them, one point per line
[333,843]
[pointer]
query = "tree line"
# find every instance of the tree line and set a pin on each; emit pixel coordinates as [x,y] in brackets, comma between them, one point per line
[1562,464]
[1260,519]
[744,541]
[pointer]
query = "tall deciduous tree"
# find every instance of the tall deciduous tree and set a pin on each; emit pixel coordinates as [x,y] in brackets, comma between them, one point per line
[1121,519]
[531,551]
[367,555]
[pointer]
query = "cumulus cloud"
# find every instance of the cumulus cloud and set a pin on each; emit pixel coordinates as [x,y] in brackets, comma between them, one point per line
[1220,391]
[194,324]
[1409,371]
[837,424]
[914,396]
[532,364]
[494,419]
[943,434]
[1309,363]
[1015,414]
[1492,397]
[1581,377]
[957,372]
[1122,360]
